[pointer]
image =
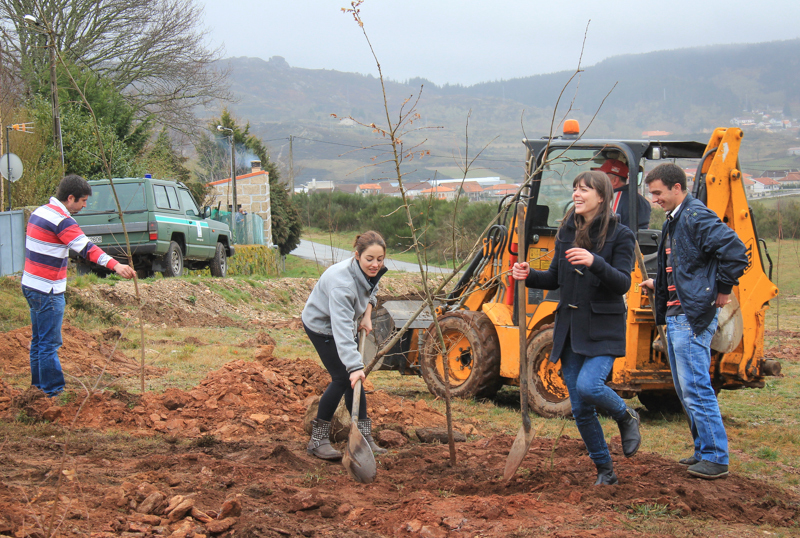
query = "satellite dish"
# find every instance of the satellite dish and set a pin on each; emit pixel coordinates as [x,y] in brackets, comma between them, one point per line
[11,167]
[730,327]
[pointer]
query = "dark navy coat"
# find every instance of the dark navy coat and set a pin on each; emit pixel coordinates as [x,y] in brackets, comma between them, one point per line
[623,209]
[591,309]
[707,258]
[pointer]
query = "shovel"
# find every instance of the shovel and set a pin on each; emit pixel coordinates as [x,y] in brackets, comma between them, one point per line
[661,344]
[525,434]
[358,458]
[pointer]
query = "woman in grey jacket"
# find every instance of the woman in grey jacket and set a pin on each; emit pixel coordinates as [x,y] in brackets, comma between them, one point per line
[344,294]
[592,267]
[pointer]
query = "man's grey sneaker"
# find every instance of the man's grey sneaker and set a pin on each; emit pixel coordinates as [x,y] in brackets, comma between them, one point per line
[691,460]
[708,470]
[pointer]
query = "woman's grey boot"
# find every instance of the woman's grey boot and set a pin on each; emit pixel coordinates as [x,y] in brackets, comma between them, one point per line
[320,443]
[365,427]
[605,474]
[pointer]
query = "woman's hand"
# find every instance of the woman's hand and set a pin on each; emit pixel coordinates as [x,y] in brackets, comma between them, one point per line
[355,376]
[365,324]
[579,256]
[520,271]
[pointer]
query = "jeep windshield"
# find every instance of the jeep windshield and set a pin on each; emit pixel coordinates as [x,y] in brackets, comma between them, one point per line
[131,197]
[558,173]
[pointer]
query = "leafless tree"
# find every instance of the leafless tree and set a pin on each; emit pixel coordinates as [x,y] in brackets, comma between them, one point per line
[154,51]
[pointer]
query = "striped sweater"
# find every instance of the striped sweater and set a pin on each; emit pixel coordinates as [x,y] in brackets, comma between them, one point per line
[50,234]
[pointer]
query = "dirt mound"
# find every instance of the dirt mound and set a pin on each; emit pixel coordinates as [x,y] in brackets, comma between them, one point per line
[81,354]
[784,353]
[265,398]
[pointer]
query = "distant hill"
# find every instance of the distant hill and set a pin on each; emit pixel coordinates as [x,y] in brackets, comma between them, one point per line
[686,92]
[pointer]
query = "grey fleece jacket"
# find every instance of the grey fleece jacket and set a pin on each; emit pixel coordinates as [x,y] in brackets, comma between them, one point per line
[335,305]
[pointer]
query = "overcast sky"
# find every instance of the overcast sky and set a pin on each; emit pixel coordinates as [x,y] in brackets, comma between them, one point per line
[458,41]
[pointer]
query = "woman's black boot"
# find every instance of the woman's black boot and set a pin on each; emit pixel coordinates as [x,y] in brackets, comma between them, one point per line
[605,474]
[629,432]
[320,443]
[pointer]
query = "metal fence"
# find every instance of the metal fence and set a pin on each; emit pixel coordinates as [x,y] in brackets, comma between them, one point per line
[248,229]
[12,242]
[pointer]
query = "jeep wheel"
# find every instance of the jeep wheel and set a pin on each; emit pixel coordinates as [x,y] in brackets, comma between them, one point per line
[173,260]
[219,264]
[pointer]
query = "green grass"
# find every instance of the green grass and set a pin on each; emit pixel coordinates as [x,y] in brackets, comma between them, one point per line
[14,310]
[772,203]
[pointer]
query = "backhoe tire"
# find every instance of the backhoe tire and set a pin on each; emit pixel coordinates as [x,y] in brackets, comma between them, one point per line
[547,392]
[473,354]
[219,263]
[173,260]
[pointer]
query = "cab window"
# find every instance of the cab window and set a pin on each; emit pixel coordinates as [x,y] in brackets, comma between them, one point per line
[189,206]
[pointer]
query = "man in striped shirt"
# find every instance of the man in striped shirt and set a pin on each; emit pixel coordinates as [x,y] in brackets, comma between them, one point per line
[51,233]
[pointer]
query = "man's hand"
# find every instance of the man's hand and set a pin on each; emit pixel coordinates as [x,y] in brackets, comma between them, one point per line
[579,256]
[520,271]
[722,299]
[649,284]
[355,376]
[125,271]
[366,324]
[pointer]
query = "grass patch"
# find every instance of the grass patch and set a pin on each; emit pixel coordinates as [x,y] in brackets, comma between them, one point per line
[14,310]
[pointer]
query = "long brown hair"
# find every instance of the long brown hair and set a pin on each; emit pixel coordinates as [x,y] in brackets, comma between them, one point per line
[366,240]
[583,238]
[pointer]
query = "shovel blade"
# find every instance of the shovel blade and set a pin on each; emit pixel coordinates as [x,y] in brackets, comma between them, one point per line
[518,451]
[358,458]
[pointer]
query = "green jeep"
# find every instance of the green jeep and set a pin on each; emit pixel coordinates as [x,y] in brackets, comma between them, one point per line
[166,229]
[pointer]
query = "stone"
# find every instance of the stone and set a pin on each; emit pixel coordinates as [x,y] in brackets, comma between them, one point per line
[230,508]
[391,439]
[434,435]
[413,526]
[182,510]
[151,504]
[305,500]
[454,523]
[201,516]
[259,418]
[220,525]
[428,531]
[51,414]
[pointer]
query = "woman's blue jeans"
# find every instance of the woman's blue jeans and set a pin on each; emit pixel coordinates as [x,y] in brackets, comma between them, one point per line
[585,378]
[47,314]
[690,362]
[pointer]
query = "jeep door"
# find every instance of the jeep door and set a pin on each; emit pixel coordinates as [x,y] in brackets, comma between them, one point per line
[198,234]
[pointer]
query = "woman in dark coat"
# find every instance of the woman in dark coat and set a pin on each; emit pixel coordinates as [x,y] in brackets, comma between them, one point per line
[592,266]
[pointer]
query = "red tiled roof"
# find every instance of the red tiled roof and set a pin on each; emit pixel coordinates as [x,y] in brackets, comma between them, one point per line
[765,181]
[369,186]
[243,176]
[437,189]
[471,186]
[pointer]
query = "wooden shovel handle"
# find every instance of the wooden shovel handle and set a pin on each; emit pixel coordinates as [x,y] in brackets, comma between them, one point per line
[362,337]
[522,318]
[650,294]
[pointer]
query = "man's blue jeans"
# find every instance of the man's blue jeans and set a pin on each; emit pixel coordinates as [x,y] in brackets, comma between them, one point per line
[690,361]
[47,314]
[585,378]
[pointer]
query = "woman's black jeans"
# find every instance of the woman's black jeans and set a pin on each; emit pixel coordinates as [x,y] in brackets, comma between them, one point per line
[340,378]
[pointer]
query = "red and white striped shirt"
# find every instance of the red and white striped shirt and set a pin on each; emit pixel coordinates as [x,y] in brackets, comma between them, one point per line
[51,233]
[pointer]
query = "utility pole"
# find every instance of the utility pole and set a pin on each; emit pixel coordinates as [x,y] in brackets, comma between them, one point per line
[54,91]
[291,167]
[235,207]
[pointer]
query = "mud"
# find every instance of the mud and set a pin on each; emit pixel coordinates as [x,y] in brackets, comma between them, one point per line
[235,447]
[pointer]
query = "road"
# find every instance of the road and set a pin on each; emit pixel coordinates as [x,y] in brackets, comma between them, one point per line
[328,255]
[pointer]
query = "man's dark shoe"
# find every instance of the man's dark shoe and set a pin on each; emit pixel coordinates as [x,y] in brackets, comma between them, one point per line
[691,460]
[629,432]
[605,474]
[708,470]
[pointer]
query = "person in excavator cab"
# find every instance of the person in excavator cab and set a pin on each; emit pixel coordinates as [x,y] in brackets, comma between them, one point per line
[617,172]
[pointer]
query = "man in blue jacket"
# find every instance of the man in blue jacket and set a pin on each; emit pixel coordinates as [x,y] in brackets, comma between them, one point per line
[700,259]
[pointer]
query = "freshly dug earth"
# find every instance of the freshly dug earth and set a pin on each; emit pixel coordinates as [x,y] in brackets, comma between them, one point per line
[234,464]
[227,457]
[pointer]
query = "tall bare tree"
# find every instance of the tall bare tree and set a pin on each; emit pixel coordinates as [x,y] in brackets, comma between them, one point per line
[154,51]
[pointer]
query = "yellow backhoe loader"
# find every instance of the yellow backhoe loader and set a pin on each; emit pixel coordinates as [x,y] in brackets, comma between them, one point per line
[478,318]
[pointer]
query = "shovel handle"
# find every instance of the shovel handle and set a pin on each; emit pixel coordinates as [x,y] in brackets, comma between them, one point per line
[362,338]
[650,294]
[522,318]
